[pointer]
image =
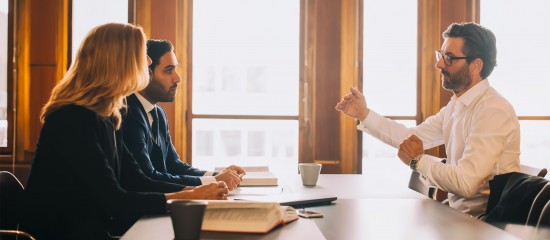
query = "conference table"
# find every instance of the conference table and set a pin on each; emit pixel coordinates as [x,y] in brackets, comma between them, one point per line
[368,207]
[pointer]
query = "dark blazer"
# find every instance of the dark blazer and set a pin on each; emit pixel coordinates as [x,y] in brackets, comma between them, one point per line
[82,176]
[158,160]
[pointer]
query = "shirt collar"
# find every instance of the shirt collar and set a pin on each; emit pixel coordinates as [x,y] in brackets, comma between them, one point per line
[477,90]
[147,106]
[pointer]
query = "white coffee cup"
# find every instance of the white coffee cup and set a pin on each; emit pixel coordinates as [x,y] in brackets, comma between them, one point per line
[310,173]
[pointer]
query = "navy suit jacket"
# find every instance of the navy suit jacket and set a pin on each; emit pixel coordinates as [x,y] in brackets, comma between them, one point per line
[158,160]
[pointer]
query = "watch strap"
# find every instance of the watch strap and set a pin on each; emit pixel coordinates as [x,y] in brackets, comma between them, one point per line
[414,162]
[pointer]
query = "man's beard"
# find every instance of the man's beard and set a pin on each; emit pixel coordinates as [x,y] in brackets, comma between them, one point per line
[457,82]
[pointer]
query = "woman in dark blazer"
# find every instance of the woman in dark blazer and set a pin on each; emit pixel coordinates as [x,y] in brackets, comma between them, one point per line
[83,176]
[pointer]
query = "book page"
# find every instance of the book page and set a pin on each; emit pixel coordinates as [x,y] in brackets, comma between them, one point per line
[289,214]
[213,204]
[241,216]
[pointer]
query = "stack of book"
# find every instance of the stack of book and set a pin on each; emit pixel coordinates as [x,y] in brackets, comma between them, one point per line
[256,176]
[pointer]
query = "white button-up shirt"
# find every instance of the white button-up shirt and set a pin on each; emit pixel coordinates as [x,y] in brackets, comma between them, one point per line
[481,134]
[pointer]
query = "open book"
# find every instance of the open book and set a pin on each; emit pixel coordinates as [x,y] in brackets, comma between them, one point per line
[256,176]
[242,216]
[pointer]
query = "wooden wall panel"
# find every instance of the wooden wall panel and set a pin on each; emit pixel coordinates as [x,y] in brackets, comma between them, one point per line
[327,85]
[308,59]
[42,57]
[163,26]
[43,81]
[351,72]
[180,138]
[42,62]
[44,19]
[429,38]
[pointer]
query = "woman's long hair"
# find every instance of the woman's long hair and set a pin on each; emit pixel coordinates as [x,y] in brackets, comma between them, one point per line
[110,64]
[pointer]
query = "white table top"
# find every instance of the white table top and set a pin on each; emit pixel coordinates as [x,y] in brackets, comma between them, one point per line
[365,209]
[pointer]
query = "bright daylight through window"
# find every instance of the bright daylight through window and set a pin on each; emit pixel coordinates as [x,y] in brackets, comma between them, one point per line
[389,76]
[520,75]
[245,63]
[88,14]
[4,73]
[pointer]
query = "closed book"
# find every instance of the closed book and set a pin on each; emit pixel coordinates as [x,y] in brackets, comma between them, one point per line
[256,176]
[246,217]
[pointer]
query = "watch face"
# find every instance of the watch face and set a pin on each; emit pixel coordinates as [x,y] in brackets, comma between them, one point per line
[412,164]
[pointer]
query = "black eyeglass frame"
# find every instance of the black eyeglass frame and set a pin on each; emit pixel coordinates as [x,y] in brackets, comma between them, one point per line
[448,60]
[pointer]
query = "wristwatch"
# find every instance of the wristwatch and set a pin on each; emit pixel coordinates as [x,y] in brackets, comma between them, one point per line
[414,162]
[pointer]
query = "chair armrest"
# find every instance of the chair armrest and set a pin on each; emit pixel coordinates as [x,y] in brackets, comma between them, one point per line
[16,233]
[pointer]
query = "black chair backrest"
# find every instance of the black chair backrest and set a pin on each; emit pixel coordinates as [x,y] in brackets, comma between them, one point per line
[417,185]
[538,204]
[11,191]
[544,219]
[512,195]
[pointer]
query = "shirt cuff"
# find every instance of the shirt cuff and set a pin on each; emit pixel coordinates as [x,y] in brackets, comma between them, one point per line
[207,180]
[208,173]
[422,167]
[426,162]
[371,121]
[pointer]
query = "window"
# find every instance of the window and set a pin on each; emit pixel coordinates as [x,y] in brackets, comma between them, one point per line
[88,14]
[245,83]
[522,45]
[4,61]
[389,76]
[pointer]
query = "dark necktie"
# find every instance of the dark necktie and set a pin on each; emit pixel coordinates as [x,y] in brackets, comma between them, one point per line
[155,125]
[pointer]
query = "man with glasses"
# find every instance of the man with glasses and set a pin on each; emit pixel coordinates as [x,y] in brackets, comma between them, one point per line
[478,127]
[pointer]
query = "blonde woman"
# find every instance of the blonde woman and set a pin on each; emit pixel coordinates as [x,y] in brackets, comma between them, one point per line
[83,176]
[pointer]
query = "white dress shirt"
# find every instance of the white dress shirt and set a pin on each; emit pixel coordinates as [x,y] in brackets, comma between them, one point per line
[148,107]
[481,134]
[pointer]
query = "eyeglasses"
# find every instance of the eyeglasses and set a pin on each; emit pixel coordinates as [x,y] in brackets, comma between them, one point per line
[448,60]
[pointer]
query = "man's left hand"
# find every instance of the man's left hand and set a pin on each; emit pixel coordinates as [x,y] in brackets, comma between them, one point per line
[410,148]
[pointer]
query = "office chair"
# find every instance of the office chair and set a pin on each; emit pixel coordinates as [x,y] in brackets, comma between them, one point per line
[544,219]
[417,185]
[432,192]
[538,204]
[11,191]
[512,196]
[441,195]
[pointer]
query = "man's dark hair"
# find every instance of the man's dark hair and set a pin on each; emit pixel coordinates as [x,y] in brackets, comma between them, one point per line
[156,48]
[479,42]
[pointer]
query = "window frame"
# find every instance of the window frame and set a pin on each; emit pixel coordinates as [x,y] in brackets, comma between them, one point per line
[189,115]
[6,152]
